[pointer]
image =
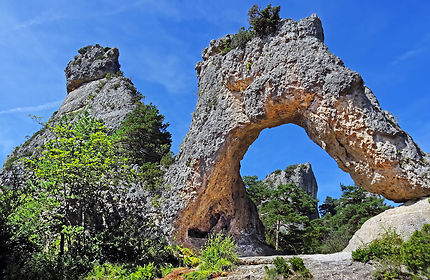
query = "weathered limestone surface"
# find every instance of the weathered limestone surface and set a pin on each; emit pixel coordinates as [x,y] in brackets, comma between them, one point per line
[299,174]
[404,219]
[287,77]
[329,266]
[92,63]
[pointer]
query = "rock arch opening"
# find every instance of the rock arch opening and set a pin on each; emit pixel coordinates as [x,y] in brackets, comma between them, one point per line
[288,77]
[286,145]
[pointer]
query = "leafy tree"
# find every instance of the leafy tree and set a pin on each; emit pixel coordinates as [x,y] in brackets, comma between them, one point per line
[143,138]
[328,206]
[342,217]
[257,190]
[284,211]
[286,215]
[67,217]
[265,21]
[143,135]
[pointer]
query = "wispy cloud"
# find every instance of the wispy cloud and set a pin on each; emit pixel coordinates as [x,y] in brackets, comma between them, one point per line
[45,17]
[408,54]
[170,74]
[40,19]
[37,108]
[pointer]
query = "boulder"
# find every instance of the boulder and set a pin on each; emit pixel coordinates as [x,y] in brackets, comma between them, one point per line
[404,219]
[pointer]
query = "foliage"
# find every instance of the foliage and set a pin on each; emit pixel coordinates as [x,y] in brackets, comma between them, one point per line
[143,135]
[416,251]
[284,211]
[217,255]
[328,206]
[238,40]
[289,208]
[265,21]
[281,266]
[67,216]
[342,217]
[391,253]
[385,247]
[143,138]
[118,272]
[282,270]
[262,22]
[187,256]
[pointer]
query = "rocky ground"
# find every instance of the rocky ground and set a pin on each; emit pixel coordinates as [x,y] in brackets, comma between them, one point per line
[328,266]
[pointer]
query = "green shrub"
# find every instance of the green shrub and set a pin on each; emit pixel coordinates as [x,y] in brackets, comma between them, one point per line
[109,271]
[271,274]
[265,21]
[281,266]
[146,272]
[386,247]
[300,269]
[416,251]
[391,253]
[387,270]
[198,275]
[282,270]
[297,264]
[166,269]
[219,253]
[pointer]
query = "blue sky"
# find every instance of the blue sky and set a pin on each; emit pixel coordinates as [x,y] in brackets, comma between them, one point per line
[387,42]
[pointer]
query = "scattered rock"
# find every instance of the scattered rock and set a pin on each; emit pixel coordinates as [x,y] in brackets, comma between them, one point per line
[404,219]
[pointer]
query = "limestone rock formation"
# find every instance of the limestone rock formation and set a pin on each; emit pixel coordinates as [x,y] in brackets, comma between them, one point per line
[299,174]
[109,98]
[286,77]
[92,63]
[404,219]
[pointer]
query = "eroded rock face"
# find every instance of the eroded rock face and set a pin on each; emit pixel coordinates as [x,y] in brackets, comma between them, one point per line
[404,219]
[92,63]
[299,174]
[288,77]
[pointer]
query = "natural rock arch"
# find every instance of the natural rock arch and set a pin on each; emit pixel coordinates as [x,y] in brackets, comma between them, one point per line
[288,77]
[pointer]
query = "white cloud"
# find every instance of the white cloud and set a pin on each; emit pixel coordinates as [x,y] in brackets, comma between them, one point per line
[36,108]
[408,54]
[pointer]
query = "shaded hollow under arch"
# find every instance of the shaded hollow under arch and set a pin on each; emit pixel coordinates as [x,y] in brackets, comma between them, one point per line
[288,77]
